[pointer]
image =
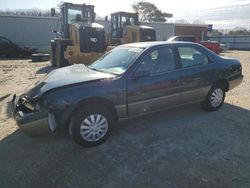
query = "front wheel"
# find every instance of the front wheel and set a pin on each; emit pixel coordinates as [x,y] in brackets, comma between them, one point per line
[215,98]
[92,125]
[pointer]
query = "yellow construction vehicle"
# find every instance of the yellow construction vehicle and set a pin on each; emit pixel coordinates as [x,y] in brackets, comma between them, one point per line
[80,39]
[125,28]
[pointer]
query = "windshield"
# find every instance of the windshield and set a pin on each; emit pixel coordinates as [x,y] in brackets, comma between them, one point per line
[74,15]
[116,61]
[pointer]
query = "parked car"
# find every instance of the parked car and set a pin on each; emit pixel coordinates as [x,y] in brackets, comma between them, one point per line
[10,49]
[211,45]
[184,38]
[129,81]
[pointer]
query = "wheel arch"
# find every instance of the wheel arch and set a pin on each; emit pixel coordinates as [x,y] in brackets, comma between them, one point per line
[98,101]
[224,82]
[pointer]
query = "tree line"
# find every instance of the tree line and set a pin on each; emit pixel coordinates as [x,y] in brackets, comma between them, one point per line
[26,12]
[235,31]
[148,12]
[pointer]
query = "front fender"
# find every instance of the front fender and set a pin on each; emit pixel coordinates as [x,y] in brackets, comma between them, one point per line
[64,101]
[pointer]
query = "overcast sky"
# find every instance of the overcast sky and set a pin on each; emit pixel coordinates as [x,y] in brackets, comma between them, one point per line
[105,7]
[235,13]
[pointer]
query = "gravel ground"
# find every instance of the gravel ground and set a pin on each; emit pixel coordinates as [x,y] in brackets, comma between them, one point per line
[182,147]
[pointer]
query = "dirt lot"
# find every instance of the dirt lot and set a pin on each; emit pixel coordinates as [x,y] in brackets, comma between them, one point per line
[184,147]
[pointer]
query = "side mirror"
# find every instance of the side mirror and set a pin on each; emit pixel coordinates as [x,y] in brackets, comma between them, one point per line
[140,74]
[52,12]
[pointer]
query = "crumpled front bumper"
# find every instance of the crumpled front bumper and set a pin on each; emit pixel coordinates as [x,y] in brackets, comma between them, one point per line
[34,123]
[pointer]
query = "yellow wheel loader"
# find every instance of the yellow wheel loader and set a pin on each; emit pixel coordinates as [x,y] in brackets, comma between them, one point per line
[80,39]
[125,28]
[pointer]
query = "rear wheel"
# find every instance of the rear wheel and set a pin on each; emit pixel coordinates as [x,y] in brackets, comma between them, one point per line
[92,125]
[215,98]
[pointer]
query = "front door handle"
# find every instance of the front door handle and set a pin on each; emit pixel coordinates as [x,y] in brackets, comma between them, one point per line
[175,81]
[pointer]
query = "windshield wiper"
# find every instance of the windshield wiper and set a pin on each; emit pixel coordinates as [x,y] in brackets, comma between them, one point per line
[93,68]
[101,70]
[110,72]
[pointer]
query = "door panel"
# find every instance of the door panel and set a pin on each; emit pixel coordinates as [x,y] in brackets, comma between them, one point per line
[197,74]
[152,93]
[195,84]
[157,91]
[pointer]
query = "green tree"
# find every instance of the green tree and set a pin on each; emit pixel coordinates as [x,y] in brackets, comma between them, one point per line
[148,12]
[239,32]
[216,33]
[27,12]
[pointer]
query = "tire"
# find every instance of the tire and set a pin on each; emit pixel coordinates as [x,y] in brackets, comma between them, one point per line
[215,98]
[40,57]
[92,125]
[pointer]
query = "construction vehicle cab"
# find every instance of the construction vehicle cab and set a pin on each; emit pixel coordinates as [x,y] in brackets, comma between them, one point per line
[125,28]
[81,40]
[73,13]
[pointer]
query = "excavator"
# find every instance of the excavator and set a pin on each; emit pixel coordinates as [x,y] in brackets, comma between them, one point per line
[81,40]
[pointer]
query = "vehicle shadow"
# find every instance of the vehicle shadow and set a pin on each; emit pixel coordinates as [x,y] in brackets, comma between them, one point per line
[182,147]
[46,69]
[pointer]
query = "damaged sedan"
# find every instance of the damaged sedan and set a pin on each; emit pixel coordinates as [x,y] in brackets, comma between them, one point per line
[129,81]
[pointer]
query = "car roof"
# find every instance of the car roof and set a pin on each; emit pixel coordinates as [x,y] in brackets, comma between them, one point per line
[155,43]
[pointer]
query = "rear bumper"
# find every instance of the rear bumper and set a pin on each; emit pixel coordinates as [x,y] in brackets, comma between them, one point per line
[32,124]
[235,81]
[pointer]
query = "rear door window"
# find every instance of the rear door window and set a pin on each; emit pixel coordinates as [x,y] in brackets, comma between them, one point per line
[191,57]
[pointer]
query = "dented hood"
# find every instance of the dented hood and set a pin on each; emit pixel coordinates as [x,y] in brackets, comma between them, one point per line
[63,77]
